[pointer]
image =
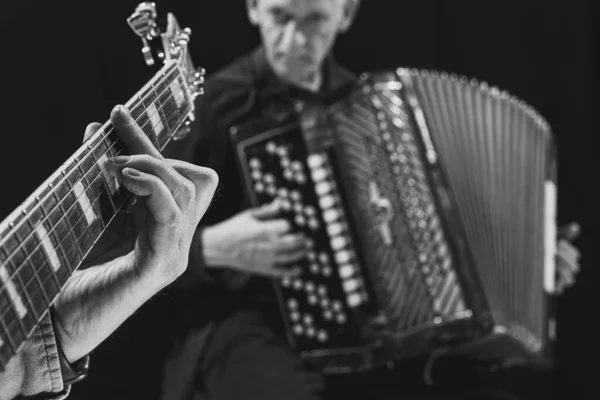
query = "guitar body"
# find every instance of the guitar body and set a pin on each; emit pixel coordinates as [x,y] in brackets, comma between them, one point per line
[47,238]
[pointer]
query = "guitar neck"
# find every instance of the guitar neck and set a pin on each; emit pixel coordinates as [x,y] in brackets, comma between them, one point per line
[49,235]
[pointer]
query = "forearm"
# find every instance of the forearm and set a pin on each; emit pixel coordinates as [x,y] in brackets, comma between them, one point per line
[96,301]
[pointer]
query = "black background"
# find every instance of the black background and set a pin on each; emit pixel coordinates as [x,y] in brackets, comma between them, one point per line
[67,63]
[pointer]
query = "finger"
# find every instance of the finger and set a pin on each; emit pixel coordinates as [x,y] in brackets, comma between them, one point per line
[182,190]
[278,271]
[267,211]
[90,130]
[131,134]
[565,279]
[204,179]
[160,202]
[570,232]
[290,242]
[291,256]
[568,251]
[567,260]
[276,227]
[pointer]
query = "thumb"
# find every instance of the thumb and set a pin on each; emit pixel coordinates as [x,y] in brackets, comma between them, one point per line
[172,25]
[267,211]
[91,129]
[569,232]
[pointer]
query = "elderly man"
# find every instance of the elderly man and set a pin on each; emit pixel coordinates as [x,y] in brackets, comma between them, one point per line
[241,352]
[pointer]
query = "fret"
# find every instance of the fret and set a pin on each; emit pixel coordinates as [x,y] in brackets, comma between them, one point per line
[94,191]
[27,274]
[14,273]
[99,155]
[72,213]
[60,231]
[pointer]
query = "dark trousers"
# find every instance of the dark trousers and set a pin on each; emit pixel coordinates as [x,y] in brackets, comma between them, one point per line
[244,358]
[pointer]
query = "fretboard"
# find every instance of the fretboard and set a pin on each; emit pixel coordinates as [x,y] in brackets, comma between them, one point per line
[47,238]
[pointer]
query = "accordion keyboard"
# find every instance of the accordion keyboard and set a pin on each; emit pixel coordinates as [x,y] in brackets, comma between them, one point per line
[320,301]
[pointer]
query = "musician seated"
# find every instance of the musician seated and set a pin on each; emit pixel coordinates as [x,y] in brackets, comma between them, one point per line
[231,345]
[99,298]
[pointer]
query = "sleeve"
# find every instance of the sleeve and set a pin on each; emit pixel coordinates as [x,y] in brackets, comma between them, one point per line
[35,369]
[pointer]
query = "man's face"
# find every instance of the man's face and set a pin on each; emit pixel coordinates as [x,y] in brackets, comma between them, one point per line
[297,34]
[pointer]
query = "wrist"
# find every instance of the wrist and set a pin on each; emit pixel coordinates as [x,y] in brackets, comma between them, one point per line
[213,252]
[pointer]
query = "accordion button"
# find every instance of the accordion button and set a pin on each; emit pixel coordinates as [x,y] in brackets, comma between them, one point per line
[271,147]
[342,257]
[256,175]
[295,195]
[295,316]
[322,336]
[313,224]
[298,330]
[346,271]
[286,282]
[354,300]
[284,162]
[314,268]
[338,243]
[308,319]
[341,318]
[323,188]
[323,258]
[315,160]
[282,151]
[286,205]
[297,284]
[255,163]
[282,192]
[296,166]
[298,208]
[350,285]
[327,271]
[322,290]
[311,332]
[288,175]
[324,303]
[300,179]
[300,220]
[319,174]
[334,229]
[327,315]
[310,287]
[309,211]
[331,216]
[336,305]
[269,178]
[312,300]
[292,304]
[271,191]
[327,202]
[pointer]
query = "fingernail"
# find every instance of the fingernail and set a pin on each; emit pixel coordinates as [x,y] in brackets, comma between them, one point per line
[131,172]
[119,160]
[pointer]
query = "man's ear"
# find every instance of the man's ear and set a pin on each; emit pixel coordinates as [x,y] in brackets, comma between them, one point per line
[251,8]
[349,14]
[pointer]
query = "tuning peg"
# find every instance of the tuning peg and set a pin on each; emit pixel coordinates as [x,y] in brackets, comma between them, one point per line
[143,24]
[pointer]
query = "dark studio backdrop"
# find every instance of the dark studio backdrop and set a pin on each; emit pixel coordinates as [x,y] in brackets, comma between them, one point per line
[67,63]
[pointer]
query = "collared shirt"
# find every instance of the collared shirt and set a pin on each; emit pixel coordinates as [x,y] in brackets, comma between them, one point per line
[245,90]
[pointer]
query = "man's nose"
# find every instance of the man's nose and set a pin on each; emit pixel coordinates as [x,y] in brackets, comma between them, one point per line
[293,37]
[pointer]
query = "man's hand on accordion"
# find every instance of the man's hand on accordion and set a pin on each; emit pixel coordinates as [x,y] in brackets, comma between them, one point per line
[255,241]
[567,258]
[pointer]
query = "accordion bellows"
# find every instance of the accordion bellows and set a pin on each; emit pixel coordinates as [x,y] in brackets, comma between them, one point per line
[430,203]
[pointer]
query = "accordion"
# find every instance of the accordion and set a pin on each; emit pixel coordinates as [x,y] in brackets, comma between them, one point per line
[429,200]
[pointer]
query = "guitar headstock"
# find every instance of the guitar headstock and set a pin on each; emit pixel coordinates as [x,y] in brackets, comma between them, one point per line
[173,47]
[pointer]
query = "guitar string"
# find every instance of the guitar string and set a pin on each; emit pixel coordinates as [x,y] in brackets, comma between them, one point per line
[137,102]
[99,176]
[52,275]
[78,164]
